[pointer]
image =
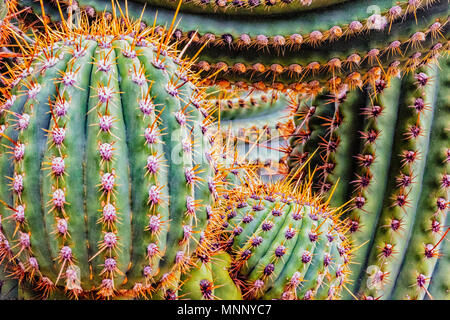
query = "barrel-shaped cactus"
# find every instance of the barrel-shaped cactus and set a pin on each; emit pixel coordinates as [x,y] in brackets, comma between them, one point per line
[362,98]
[285,242]
[106,176]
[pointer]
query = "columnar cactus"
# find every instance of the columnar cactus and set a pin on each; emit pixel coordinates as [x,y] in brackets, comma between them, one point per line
[105,173]
[360,99]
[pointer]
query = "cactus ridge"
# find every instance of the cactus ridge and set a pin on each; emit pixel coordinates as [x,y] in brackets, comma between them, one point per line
[249,106]
[210,280]
[349,18]
[244,7]
[405,183]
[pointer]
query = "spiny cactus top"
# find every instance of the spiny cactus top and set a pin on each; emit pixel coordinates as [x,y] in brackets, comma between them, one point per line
[285,242]
[105,176]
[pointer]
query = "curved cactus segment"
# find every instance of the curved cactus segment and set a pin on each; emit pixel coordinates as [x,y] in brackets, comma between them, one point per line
[243,7]
[376,141]
[225,288]
[198,284]
[439,286]
[210,280]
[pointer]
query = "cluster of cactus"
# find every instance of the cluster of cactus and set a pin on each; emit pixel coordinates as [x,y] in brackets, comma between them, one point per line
[351,92]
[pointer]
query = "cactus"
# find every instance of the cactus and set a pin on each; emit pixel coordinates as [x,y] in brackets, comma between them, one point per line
[210,280]
[384,148]
[273,44]
[102,158]
[285,242]
[258,126]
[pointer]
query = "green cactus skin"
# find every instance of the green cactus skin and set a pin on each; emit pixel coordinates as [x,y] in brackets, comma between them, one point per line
[8,287]
[251,106]
[368,201]
[96,177]
[198,284]
[283,245]
[439,287]
[225,288]
[401,200]
[3,9]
